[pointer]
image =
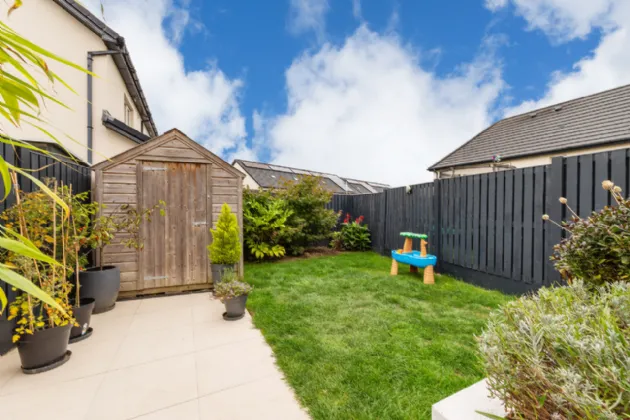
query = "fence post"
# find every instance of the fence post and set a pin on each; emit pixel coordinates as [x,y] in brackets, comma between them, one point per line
[437,222]
[555,190]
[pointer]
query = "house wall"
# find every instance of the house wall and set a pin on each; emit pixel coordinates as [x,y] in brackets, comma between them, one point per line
[49,26]
[526,162]
[118,184]
[248,181]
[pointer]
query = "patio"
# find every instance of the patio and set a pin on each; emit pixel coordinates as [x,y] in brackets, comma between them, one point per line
[159,358]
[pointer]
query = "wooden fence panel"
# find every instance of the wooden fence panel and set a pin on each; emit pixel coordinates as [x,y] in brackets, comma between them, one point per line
[488,228]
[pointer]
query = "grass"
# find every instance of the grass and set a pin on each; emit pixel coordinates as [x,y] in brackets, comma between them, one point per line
[356,343]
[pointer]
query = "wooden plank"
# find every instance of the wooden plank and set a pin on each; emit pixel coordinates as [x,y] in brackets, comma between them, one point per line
[220,173]
[123,168]
[517,233]
[469,221]
[492,198]
[120,189]
[483,223]
[448,220]
[586,193]
[174,152]
[109,198]
[539,209]
[130,276]
[149,158]
[225,190]
[224,182]
[125,266]
[499,213]
[209,210]
[121,257]
[476,216]
[508,221]
[602,196]
[619,169]
[119,178]
[461,225]
[553,208]
[572,182]
[230,199]
[127,286]
[528,224]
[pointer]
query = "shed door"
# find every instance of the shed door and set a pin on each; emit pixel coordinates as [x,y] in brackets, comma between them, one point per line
[175,252]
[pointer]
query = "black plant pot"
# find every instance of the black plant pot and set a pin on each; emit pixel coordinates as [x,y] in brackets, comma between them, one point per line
[235,308]
[44,350]
[218,270]
[100,285]
[83,315]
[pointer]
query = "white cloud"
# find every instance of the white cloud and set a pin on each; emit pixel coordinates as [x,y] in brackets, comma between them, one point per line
[356,9]
[607,65]
[367,109]
[202,103]
[496,4]
[308,15]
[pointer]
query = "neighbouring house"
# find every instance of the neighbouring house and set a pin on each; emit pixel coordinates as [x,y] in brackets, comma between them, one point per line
[260,175]
[591,124]
[109,114]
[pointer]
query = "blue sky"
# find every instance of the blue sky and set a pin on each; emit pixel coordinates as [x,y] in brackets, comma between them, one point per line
[374,89]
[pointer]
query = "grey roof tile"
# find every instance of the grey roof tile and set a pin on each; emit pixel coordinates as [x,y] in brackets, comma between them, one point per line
[584,122]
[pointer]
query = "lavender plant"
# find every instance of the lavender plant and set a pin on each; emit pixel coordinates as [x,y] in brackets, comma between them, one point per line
[562,354]
[597,248]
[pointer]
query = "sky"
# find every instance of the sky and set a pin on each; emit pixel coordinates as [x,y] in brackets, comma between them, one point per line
[376,90]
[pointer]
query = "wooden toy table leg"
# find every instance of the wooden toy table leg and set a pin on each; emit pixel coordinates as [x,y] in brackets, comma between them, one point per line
[413,269]
[408,245]
[394,270]
[428,275]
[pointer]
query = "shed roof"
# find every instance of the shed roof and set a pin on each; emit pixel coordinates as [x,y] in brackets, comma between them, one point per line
[589,121]
[123,62]
[273,176]
[173,134]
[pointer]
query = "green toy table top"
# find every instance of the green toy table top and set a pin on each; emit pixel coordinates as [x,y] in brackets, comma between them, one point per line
[413,235]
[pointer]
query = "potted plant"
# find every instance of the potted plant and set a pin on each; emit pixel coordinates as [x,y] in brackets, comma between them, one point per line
[102,282]
[225,249]
[233,293]
[42,331]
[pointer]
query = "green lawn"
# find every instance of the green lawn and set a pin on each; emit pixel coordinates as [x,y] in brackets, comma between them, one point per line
[356,343]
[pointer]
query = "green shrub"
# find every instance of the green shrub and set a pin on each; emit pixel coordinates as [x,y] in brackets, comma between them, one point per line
[264,224]
[226,246]
[310,222]
[231,286]
[353,235]
[562,354]
[597,248]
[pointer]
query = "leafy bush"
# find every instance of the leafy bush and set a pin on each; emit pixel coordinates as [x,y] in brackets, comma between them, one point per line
[231,287]
[353,235]
[226,246]
[264,224]
[597,248]
[311,221]
[562,354]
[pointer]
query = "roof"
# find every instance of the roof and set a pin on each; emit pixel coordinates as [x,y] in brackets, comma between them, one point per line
[123,129]
[123,62]
[589,121]
[171,135]
[273,176]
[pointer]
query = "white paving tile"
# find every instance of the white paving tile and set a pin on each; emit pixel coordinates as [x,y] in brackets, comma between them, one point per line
[169,318]
[143,389]
[265,399]
[153,345]
[186,411]
[61,401]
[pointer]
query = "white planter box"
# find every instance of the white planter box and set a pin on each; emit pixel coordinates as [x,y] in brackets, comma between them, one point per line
[464,404]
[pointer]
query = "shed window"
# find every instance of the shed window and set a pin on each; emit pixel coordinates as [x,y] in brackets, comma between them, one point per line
[128,112]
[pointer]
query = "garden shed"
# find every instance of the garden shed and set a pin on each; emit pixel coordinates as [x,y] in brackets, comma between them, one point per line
[194,183]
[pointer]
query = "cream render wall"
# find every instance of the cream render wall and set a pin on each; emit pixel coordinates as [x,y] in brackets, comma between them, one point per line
[529,161]
[49,26]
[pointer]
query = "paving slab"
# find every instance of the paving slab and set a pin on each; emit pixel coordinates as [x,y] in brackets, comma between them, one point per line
[159,358]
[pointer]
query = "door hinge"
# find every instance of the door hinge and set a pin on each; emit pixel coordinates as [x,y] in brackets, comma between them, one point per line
[153,169]
[156,277]
[200,223]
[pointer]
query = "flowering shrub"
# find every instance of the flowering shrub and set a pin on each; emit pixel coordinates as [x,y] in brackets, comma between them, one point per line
[597,248]
[353,235]
[562,354]
[231,286]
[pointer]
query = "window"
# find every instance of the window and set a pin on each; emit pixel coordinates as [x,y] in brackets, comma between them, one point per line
[128,112]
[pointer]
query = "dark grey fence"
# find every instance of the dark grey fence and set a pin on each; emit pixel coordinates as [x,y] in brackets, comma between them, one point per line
[41,167]
[487,229]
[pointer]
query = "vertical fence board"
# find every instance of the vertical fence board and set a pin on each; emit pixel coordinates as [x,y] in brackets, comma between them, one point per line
[528,224]
[619,169]
[586,186]
[492,199]
[539,234]
[500,211]
[572,182]
[508,223]
[476,201]
[517,233]
[555,211]
[602,196]
[469,220]
[483,223]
